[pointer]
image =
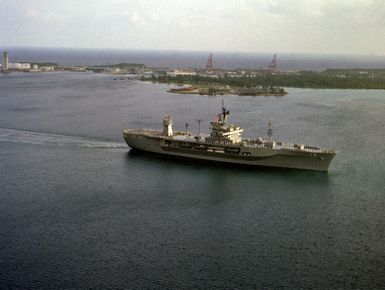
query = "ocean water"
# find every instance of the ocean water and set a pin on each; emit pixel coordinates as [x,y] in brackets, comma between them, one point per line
[79,209]
[192,59]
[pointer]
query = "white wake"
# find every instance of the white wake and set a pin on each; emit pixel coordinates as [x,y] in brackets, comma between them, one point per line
[20,136]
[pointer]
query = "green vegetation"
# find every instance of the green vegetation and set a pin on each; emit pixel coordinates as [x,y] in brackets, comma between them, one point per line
[40,64]
[331,78]
[122,65]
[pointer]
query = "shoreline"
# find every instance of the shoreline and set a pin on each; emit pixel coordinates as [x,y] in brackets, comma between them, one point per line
[331,79]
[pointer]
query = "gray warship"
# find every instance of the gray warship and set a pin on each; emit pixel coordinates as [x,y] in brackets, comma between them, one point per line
[225,144]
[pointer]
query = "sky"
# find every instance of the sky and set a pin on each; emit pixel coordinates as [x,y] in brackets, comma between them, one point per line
[286,26]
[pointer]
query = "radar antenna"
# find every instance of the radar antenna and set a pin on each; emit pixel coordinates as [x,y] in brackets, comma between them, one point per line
[186,129]
[199,126]
[225,112]
[269,130]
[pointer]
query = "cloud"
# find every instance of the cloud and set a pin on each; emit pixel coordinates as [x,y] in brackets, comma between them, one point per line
[46,17]
[33,13]
[317,26]
[136,18]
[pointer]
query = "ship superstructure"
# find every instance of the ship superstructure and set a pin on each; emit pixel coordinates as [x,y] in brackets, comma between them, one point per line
[225,144]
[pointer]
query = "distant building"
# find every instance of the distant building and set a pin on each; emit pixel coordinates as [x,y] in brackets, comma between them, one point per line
[47,68]
[113,70]
[5,60]
[14,66]
[181,73]
[25,66]
[19,66]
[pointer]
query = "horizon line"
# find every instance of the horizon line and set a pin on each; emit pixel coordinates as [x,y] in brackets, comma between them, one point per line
[2,47]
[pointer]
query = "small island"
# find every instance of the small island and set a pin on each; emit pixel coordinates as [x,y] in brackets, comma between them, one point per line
[212,90]
[262,83]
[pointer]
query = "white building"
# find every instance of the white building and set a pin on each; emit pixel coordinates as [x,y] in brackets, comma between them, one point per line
[47,68]
[181,73]
[19,66]
[14,65]
[25,66]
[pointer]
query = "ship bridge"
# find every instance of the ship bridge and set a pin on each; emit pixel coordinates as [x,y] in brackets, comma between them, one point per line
[224,134]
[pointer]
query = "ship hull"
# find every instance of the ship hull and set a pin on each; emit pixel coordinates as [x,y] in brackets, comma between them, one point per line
[269,157]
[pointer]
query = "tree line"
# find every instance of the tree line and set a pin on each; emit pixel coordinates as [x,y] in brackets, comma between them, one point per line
[324,80]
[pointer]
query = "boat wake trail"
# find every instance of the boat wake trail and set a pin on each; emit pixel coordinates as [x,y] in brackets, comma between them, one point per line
[28,137]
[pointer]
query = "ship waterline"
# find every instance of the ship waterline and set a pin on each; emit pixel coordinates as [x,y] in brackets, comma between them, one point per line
[225,144]
[263,157]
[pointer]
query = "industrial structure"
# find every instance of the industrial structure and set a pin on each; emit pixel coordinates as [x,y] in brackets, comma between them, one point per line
[209,64]
[5,61]
[273,65]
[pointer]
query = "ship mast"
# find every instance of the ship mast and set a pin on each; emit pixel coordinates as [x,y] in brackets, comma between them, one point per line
[224,113]
[199,126]
[269,130]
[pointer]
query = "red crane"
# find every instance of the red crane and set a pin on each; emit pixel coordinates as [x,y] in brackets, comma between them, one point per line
[209,64]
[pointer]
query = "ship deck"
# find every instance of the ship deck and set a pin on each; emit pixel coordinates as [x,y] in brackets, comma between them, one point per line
[190,138]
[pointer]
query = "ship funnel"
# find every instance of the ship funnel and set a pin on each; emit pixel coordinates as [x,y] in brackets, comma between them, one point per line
[167,126]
